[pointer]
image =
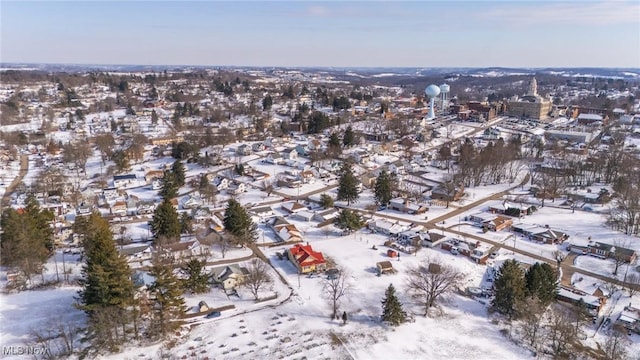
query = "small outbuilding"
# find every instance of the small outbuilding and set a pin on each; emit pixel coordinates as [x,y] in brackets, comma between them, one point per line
[202,306]
[385,267]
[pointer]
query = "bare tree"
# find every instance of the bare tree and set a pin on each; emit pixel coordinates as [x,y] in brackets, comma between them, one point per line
[335,288]
[615,345]
[559,255]
[267,186]
[530,313]
[618,257]
[257,278]
[633,282]
[430,282]
[560,333]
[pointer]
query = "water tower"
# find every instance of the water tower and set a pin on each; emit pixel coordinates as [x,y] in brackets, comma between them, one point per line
[444,90]
[432,91]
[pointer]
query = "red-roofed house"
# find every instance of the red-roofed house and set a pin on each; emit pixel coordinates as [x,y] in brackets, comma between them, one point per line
[305,259]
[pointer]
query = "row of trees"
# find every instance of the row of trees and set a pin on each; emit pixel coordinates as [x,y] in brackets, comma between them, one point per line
[116,314]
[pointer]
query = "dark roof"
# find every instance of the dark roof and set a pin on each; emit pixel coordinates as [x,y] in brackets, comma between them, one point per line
[124,177]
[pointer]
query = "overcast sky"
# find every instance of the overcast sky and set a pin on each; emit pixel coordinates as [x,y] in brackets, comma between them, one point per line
[332,33]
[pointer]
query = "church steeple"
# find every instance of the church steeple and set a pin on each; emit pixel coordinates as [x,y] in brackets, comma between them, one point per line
[533,87]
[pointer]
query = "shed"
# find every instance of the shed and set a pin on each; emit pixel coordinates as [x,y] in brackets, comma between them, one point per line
[392,253]
[384,267]
[202,306]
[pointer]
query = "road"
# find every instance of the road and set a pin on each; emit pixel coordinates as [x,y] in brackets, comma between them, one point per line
[567,269]
[24,168]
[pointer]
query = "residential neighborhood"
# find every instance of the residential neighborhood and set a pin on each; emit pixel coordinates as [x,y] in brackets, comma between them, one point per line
[283,200]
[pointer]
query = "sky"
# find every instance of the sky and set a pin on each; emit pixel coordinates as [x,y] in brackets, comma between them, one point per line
[330,33]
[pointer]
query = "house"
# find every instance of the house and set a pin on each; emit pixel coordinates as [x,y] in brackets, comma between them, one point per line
[119,208]
[274,158]
[326,217]
[236,188]
[397,167]
[230,276]
[166,140]
[152,175]
[611,251]
[304,215]
[386,227]
[574,296]
[146,207]
[443,194]
[184,250]
[405,206]
[244,150]
[293,207]
[220,183]
[477,251]
[306,259]
[290,154]
[539,233]
[136,253]
[191,202]
[262,212]
[510,209]
[630,319]
[384,267]
[498,223]
[258,147]
[110,193]
[288,233]
[83,209]
[426,238]
[123,181]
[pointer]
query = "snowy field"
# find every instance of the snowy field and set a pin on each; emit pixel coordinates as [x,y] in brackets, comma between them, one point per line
[302,328]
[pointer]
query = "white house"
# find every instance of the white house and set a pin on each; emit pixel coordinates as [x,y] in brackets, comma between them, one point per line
[274,158]
[236,188]
[230,276]
[290,154]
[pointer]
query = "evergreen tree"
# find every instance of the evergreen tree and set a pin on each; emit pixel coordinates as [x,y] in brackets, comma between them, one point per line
[348,139]
[267,102]
[107,290]
[509,288]
[326,201]
[238,222]
[349,220]
[385,185]
[186,223]
[178,171]
[27,238]
[348,185]
[334,140]
[197,277]
[154,117]
[165,294]
[392,311]
[169,186]
[165,223]
[542,282]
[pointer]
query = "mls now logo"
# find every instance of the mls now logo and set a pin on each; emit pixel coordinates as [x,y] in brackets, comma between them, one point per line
[24,350]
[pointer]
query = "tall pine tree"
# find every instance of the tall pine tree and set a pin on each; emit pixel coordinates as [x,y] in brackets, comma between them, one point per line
[238,222]
[348,139]
[348,185]
[509,288]
[178,171]
[542,282]
[27,238]
[165,294]
[392,311]
[169,185]
[165,224]
[107,293]
[385,185]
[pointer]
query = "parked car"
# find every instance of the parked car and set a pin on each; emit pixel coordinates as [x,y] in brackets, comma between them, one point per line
[213,314]
[454,251]
[494,255]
